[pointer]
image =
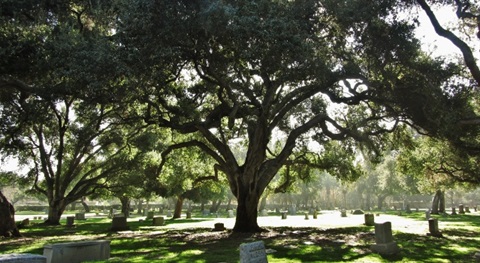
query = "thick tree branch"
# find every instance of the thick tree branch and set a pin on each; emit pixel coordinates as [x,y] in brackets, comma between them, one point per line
[464,48]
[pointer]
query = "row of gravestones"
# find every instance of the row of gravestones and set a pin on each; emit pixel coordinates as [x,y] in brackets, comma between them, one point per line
[384,243]
[256,252]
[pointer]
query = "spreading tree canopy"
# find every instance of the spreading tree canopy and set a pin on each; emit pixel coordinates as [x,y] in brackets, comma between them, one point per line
[296,83]
[310,72]
[55,117]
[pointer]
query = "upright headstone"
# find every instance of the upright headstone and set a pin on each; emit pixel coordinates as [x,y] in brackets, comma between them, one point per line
[80,216]
[158,221]
[343,213]
[453,211]
[169,214]
[306,216]
[150,214]
[70,221]
[384,240]
[369,219]
[284,215]
[433,228]
[467,209]
[189,215]
[315,214]
[119,223]
[253,252]
[461,209]
[219,227]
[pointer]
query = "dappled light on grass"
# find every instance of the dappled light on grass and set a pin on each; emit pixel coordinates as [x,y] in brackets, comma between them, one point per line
[146,243]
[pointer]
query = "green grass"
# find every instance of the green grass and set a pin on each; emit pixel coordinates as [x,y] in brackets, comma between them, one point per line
[145,243]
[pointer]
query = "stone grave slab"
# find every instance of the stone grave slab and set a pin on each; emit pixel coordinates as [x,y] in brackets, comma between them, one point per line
[76,252]
[369,219]
[22,258]
[80,216]
[433,228]
[119,223]
[384,240]
[159,221]
[253,252]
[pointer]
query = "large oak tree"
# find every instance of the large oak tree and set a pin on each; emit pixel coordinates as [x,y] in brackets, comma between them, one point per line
[256,71]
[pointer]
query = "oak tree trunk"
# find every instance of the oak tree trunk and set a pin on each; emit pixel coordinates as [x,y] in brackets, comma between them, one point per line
[178,207]
[125,205]
[85,205]
[438,203]
[247,213]
[55,211]
[8,228]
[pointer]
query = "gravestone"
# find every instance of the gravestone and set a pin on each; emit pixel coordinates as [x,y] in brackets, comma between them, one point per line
[76,252]
[358,212]
[169,214]
[315,214]
[467,209]
[284,215]
[253,252]
[25,222]
[150,215]
[433,228]
[189,215]
[264,212]
[306,216]
[119,223]
[219,227]
[461,210]
[70,221]
[369,219]
[343,213]
[158,221]
[80,216]
[22,258]
[205,212]
[384,240]
[230,214]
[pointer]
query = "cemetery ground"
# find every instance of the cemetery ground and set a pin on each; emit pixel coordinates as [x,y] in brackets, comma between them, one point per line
[329,238]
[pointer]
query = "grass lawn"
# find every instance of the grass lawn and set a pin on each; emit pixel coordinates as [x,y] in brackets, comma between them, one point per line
[145,243]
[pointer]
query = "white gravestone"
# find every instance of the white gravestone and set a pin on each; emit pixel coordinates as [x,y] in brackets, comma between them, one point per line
[253,252]
[76,252]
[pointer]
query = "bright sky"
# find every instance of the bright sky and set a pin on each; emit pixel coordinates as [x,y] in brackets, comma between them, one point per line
[440,46]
